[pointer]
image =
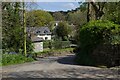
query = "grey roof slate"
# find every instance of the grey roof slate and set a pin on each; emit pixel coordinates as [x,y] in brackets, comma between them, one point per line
[36,39]
[38,30]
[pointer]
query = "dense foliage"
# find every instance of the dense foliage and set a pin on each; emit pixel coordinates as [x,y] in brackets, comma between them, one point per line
[38,18]
[12,28]
[59,16]
[8,59]
[112,13]
[63,30]
[55,52]
[97,33]
[56,44]
[77,18]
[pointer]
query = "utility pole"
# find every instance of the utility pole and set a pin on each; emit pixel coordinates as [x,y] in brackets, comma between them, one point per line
[24,26]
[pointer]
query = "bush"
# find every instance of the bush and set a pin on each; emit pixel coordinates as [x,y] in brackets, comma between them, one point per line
[54,52]
[92,35]
[56,44]
[46,44]
[8,59]
[63,30]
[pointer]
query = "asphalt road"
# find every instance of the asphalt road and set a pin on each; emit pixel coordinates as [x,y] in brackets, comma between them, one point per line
[58,67]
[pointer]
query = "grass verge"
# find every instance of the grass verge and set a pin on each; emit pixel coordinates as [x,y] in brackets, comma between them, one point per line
[54,50]
[10,59]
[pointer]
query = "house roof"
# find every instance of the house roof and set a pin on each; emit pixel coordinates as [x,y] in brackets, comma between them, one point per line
[36,39]
[38,30]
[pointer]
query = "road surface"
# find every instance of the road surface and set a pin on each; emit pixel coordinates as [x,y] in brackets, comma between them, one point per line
[58,67]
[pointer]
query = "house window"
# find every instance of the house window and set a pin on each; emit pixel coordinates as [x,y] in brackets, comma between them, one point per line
[38,32]
[45,31]
[46,38]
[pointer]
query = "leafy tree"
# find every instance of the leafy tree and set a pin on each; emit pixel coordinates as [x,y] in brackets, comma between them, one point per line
[112,13]
[12,28]
[59,16]
[77,18]
[63,30]
[37,18]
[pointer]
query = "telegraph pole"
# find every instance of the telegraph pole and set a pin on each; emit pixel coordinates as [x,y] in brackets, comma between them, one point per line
[24,26]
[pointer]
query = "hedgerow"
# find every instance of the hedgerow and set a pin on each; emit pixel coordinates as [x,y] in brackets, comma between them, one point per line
[94,34]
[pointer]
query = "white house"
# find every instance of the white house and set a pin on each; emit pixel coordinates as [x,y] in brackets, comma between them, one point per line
[44,33]
[38,35]
[41,32]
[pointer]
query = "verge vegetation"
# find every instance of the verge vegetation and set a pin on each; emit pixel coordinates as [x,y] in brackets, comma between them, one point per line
[10,59]
[55,52]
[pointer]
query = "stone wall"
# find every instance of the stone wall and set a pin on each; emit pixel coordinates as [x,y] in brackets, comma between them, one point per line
[38,46]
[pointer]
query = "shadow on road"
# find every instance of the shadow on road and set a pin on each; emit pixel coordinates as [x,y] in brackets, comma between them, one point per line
[67,60]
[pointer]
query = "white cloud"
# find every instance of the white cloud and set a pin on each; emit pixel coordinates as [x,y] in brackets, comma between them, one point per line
[69,5]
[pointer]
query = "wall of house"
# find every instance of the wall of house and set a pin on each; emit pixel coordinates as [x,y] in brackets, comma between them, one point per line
[45,37]
[38,46]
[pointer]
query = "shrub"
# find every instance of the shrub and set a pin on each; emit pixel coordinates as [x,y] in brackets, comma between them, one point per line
[8,59]
[46,44]
[56,44]
[92,35]
[54,52]
[63,30]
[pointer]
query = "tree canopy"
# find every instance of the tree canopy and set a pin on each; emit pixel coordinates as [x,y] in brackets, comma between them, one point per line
[112,13]
[12,28]
[59,16]
[37,18]
[63,30]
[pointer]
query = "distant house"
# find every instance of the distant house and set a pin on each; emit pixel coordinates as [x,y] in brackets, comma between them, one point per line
[38,35]
[41,32]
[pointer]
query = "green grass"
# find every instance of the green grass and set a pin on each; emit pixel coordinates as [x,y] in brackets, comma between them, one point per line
[62,50]
[55,50]
[10,59]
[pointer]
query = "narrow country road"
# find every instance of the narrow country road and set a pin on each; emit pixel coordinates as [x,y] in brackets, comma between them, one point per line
[58,67]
